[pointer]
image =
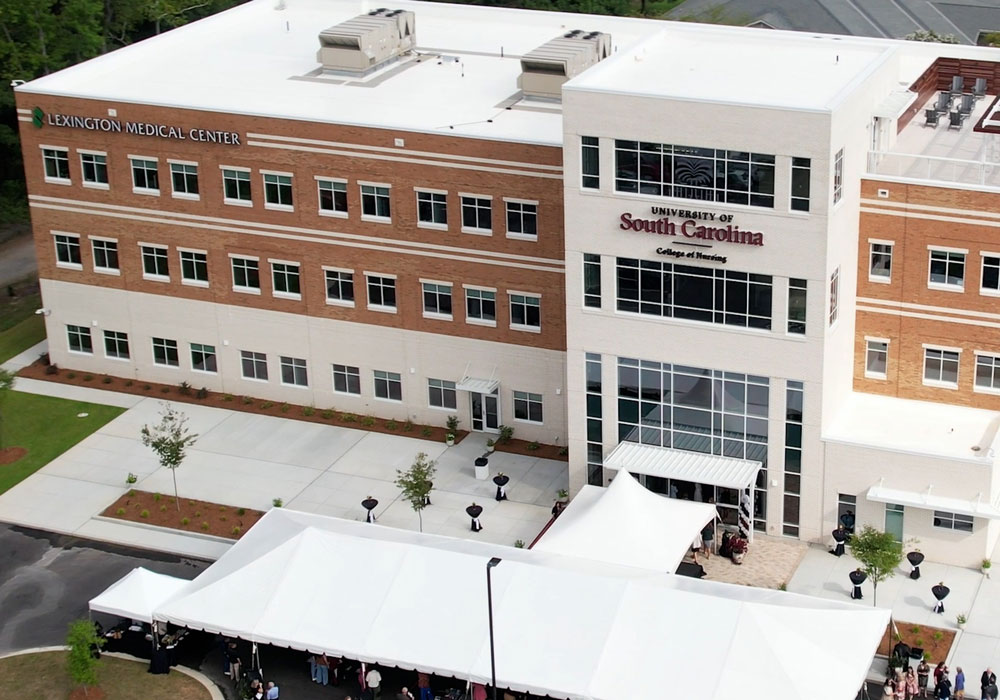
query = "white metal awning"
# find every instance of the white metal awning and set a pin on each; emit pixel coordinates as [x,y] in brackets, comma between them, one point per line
[976,508]
[895,103]
[681,464]
[477,385]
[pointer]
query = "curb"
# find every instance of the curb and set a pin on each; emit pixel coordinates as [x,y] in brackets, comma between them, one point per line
[166,530]
[213,690]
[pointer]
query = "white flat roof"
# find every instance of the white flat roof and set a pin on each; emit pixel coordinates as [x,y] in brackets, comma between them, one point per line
[917,427]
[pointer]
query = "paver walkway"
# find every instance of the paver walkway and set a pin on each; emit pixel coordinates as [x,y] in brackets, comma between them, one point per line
[769,563]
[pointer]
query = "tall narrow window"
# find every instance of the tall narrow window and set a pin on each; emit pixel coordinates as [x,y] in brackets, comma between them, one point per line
[880,261]
[838,176]
[800,184]
[590,162]
[793,458]
[834,295]
[595,414]
[876,357]
[797,306]
[592,280]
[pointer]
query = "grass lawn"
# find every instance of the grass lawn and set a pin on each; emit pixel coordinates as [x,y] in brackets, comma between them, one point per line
[21,336]
[46,427]
[44,677]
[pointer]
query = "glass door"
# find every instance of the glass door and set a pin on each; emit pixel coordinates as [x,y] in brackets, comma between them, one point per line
[894,520]
[491,412]
[476,410]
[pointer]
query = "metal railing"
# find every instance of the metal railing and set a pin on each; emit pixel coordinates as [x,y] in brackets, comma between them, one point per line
[984,174]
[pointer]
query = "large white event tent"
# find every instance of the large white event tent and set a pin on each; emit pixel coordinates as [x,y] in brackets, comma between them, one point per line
[627,524]
[566,626]
[137,594]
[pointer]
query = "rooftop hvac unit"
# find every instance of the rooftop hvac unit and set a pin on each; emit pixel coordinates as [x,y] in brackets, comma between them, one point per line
[545,69]
[367,42]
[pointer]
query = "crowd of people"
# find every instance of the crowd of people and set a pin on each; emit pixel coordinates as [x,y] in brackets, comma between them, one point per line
[909,683]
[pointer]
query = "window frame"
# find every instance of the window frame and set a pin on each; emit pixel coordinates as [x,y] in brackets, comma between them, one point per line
[438,292]
[516,235]
[278,186]
[56,161]
[157,253]
[133,168]
[120,337]
[105,269]
[180,168]
[242,289]
[529,400]
[948,262]
[292,363]
[884,351]
[376,197]
[209,357]
[994,387]
[168,346]
[337,185]
[193,281]
[96,184]
[511,302]
[590,180]
[942,350]
[479,321]
[838,177]
[287,274]
[873,276]
[834,310]
[81,333]
[347,373]
[475,203]
[434,206]
[985,255]
[442,391]
[592,262]
[256,360]
[947,520]
[71,241]
[370,280]
[237,170]
[798,169]
[797,284]
[388,380]
[339,301]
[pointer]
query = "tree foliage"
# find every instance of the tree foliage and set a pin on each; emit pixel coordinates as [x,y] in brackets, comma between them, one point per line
[82,665]
[879,553]
[169,439]
[416,484]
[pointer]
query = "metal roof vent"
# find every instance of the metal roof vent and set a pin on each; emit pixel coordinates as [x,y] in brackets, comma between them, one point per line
[545,69]
[367,42]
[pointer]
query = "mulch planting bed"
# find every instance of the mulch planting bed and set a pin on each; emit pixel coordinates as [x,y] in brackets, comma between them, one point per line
[207,518]
[533,449]
[935,641]
[9,455]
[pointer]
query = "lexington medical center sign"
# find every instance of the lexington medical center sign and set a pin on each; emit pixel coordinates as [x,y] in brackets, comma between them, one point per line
[39,118]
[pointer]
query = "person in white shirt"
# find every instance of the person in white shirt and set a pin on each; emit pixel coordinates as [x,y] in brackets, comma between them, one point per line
[272,691]
[373,679]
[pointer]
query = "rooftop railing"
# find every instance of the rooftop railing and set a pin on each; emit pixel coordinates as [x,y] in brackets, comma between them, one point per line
[985,174]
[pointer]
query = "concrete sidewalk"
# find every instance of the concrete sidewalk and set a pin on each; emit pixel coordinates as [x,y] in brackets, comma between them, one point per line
[243,459]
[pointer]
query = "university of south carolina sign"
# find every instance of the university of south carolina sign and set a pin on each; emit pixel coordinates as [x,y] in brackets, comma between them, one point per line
[691,224]
[116,126]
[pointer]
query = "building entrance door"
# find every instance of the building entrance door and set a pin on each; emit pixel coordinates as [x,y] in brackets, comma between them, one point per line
[485,410]
[894,520]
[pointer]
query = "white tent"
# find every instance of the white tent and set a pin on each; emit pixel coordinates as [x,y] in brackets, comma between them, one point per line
[565,626]
[137,594]
[627,524]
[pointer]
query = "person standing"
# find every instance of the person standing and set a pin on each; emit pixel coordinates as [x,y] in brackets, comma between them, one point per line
[478,691]
[923,673]
[911,683]
[272,691]
[938,672]
[707,538]
[959,683]
[373,679]
[943,689]
[404,694]
[312,667]
[986,680]
[424,686]
[323,670]
[900,687]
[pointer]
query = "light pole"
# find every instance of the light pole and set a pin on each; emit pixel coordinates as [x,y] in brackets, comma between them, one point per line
[489,602]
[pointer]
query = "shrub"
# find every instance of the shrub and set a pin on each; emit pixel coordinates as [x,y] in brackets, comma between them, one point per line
[506,433]
[191,503]
[185,521]
[184,389]
[131,493]
[246,400]
[348,418]
[425,431]
[227,397]
[120,511]
[44,359]
[236,531]
[563,451]
[204,525]
[163,509]
[285,407]
[267,404]
[519,544]
[222,518]
[938,636]
[915,629]
[88,377]
[165,390]
[452,423]
[129,382]
[131,478]
[202,393]
[533,445]
[918,642]
[277,503]
[327,414]
[144,513]
[146,387]
[308,410]
[51,369]
[107,380]
[241,511]
[408,426]
[391,425]
[368,421]
[157,496]
[197,514]
[71,375]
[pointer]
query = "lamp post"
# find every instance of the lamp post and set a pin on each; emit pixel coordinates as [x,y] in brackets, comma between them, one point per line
[489,602]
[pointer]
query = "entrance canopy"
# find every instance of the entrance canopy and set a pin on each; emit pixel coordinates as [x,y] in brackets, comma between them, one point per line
[926,501]
[565,626]
[137,593]
[696,467]
[627,524]
[477,385]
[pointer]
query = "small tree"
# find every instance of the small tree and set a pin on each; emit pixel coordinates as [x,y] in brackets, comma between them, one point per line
[6,384]
[169,440]
[82,663]
[416,484]
[879,553]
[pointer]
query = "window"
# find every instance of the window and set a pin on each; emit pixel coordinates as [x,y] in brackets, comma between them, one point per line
[522,219]
[595,414]
[277,191]
[477,214]
[880,261]
[236,186]
[694,293]
[246,275]
[285,278]
[834,295]
[525,311]
[592,280]
[437,299]
[375,202]
[953,521]
[79,340]
[987,373]
[67,250]
[382,292]
[145,176]
[590,162]
[194,267]
[481,306]
[941,367]
[800,184]
[154,262]
[432,209]
[797,306]
[441,394]
[388,386]
[838,176]
[95,169]
[293,371]
[203,358]
[990,281]
[105,254]
[346,379]
[793,458]
[165,352]
[947,268]
[332,196]
[688,172]
[56,162]
[184,178]
[116,345]
[254,365]
[876,357]
[527,406]
[340,287]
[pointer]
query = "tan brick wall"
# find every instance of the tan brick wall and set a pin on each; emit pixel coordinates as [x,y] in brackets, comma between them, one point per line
[402,176]
[911,235]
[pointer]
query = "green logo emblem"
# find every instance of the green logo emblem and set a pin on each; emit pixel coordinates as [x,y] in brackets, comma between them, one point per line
[37,117]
